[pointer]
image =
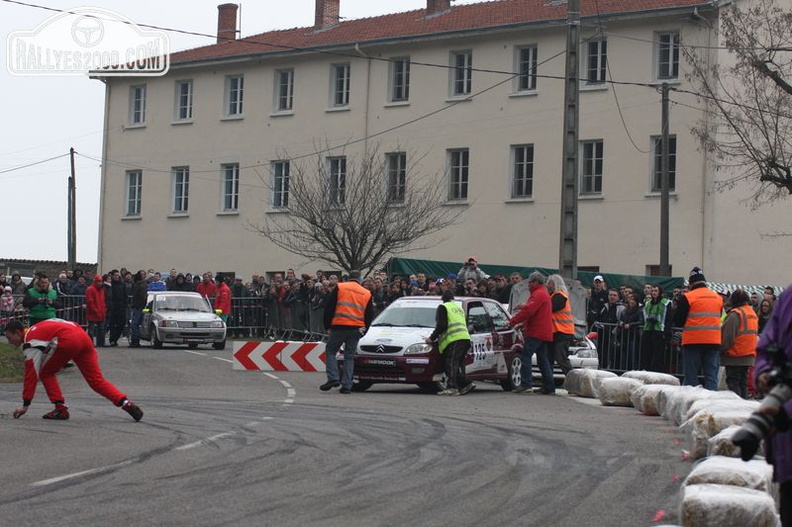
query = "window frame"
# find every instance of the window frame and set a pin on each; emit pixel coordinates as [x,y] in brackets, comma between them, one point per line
[399,85]
[526,79]
[137,104]
[458,173]
[657,160]
[594,178]
[133,197]
[461,74]
[522,166]
[229,197]
[284,92]
[336,183]
[340,84]
[280,169]
[396,174]
[183,101]
[180,190]
[672,63]
[600,57]
[235,95]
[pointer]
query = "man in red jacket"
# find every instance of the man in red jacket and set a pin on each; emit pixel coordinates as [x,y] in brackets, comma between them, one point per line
[222,299]
[48,346]
[96,310]
[536,317]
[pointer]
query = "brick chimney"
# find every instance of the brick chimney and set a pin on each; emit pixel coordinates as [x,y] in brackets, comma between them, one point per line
[434,7]
[226,22]
[327,13]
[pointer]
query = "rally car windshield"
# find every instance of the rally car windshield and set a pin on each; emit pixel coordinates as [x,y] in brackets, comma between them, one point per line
[181,303]
[408,316]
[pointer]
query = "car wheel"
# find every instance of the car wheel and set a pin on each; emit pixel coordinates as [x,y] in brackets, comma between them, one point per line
[429,387]
[514,378]
[361,386]
[219,345]
[156,343]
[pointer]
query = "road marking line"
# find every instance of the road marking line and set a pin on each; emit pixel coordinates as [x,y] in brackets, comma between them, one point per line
[99,470]
[288,401]
[291,392]
[286,384]
[195,353]
[205,441]
[271,376]
[222,359]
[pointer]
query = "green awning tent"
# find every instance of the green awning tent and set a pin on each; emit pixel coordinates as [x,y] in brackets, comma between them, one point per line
[437,269]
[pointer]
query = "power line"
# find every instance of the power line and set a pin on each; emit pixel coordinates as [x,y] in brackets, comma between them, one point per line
[20,167]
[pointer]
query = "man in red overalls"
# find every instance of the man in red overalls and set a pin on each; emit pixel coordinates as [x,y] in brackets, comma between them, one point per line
[48,346]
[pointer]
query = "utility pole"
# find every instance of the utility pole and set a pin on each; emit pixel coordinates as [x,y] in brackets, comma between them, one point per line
[567,264]
[72,220]
[665,267]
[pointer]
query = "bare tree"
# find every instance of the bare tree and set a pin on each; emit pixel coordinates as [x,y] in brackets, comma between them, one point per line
[749,99]
[357,214]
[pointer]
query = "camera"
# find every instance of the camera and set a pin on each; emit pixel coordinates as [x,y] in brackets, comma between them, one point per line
[761,423]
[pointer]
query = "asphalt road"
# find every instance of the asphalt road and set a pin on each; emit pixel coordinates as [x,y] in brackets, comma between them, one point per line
[219,447]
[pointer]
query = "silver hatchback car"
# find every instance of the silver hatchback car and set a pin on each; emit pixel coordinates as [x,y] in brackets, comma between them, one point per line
[181,318]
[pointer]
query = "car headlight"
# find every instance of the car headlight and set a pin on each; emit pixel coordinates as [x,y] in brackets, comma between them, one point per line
[166,324]
[217,324]
[418,349]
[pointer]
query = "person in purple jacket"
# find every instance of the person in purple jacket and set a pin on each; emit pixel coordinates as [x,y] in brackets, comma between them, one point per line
[778,448]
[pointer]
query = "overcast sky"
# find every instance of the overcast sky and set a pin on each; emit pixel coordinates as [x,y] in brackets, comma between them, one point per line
[43,116]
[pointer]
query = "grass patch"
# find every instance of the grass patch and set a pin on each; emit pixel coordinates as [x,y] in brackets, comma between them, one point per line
[12,364]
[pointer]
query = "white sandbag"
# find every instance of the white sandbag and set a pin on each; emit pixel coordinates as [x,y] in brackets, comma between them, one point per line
[707,424]
[584,382]
[617,391]
[679,401]
[756,474]
[711,505]
[721,443]
[664,394]
[652,377]
[644,398]
[721,401]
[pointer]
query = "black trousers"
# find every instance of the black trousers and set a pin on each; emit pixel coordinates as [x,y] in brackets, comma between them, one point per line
[455,364]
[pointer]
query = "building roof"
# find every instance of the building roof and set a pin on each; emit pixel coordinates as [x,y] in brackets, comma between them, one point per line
[415,24]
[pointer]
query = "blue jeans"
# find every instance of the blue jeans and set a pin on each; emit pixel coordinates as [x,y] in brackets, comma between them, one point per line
[134,325]
[531,346]
[349,338]
[704,357]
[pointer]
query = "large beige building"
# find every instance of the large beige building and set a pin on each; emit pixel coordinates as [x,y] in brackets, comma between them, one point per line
[194,157]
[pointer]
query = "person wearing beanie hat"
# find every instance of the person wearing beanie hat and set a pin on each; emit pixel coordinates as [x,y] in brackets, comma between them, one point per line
[698,313]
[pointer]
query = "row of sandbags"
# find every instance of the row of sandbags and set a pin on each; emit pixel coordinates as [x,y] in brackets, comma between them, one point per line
[721,490]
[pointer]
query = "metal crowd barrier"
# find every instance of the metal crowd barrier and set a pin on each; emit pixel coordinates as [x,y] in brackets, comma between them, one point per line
[621,349]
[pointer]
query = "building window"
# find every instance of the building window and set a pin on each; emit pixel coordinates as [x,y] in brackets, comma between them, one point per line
[400,79]
[337,182]
[597,61]
[184,100]
[458,167]
[284,90]
[591,175]
[235,91]
[462,73]
[137,104]
[280,184]
[397,176]
[667,55]
[657,155]
[181,189]
[134,186]
[230,187]
[526,68]
[340,84]
[522,180]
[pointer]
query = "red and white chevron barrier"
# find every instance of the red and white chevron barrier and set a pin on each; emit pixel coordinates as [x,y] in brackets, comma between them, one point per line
[279,356]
